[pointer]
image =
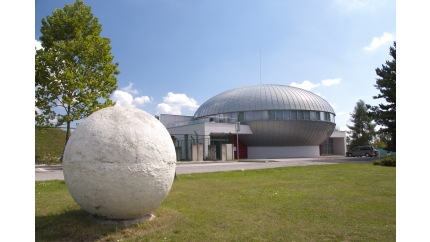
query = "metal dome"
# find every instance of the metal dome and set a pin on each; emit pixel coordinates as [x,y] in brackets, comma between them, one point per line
[263,97]
[314,126]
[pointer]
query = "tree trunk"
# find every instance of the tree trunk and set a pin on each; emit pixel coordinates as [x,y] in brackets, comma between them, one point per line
[67,133]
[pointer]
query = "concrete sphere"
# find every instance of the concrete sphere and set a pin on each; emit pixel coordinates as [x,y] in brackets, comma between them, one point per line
[119,163]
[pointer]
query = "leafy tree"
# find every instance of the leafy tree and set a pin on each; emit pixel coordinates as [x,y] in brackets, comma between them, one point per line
[381,140]
[74,68]
[363,130]
[385,115]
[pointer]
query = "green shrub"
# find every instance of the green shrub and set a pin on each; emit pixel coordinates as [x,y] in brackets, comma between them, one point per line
[390,161]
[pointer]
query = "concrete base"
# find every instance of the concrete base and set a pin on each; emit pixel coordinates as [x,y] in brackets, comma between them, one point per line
[124,222]
[197,152]
[283,152]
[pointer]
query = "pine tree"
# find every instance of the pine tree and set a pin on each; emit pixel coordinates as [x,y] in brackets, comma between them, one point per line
[385,115]
[363,130]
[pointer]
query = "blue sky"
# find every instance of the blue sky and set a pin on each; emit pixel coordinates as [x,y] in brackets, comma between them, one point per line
[175,55]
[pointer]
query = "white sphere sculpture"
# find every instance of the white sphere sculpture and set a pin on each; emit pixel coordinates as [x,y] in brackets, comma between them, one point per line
[119,163]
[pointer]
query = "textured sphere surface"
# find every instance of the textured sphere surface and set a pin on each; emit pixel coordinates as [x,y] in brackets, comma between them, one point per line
[119,163]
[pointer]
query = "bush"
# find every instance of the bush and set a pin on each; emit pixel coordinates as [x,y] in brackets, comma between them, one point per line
[390,161]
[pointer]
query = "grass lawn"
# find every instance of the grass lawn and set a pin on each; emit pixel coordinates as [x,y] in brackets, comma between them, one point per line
[49,145]
[346,202]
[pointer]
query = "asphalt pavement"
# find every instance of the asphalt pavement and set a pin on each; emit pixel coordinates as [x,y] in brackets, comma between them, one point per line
[44,173]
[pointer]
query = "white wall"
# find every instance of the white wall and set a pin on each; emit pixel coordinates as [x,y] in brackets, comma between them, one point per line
[169,119]
[339,142]
[339,146]
[283,152]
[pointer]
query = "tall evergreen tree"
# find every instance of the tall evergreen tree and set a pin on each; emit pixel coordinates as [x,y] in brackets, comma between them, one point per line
[363,130]
[74,68]
[385,115]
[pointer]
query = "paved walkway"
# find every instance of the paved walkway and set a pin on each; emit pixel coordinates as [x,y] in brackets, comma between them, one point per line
[44,173]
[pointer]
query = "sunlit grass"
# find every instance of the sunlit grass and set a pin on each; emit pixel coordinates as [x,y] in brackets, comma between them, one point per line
[346,202]
[49,145]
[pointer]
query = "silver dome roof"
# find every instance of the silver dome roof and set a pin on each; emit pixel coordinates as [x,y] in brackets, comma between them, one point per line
[263,97]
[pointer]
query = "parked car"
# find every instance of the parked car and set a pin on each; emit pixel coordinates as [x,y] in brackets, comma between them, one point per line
[366,150]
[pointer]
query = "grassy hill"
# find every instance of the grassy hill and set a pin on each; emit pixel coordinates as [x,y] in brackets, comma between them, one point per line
[49,145]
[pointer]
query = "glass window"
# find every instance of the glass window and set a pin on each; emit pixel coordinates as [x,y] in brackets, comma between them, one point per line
[293,114]
[313,115]
[256,115]
[279,115]
[241,117]
[264,115]
[272,115]
[287,114]
[300,114]
[322,116]
[332,117]
[234,117]
[327,117]
[317,116]
[248,116]
[227,117]
[221,118]
[307,115]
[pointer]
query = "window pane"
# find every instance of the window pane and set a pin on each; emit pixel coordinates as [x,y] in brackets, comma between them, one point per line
[322,116]
[300,114]
[279,115]
[227,117]
[248,116]
[264,115]
[256,115]
[241,117]
[307,115]
[271,115]
[313,115]
[287,114]
[234,117]
[293,114]
[327,116]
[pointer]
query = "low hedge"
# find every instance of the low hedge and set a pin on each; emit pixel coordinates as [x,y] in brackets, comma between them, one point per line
[389,161]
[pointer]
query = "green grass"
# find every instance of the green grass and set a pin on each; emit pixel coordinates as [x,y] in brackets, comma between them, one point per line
[49,145]
[346,202]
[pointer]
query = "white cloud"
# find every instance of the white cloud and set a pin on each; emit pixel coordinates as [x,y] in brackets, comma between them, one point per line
[129,90]
[142,100]
[347,119]
[38,110]
[38,45]
[122,99]
[172,104]
[333,105]
[341,113]
[307,85]
[329,82]
[343,128]
[126,99]
[379,41]
[167,109]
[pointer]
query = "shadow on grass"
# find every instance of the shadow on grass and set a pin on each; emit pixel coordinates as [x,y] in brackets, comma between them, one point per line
[72,225]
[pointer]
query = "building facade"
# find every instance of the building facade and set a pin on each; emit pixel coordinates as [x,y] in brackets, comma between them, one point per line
[276,121]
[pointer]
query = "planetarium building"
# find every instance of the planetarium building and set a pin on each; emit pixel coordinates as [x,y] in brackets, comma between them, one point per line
[276,121]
